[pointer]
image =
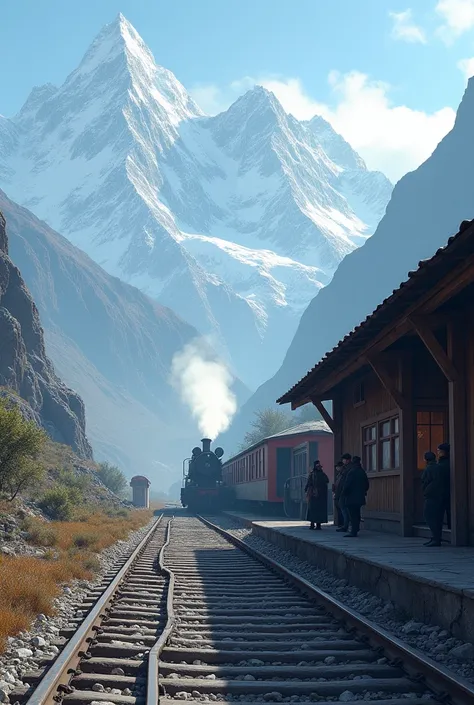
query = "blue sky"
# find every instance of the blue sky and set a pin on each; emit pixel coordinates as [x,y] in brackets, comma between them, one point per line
[388,74]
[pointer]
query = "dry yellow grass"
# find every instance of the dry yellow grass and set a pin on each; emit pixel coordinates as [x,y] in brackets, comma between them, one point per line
[29,585]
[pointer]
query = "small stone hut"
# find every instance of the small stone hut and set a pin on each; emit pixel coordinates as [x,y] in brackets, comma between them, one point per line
[140,491]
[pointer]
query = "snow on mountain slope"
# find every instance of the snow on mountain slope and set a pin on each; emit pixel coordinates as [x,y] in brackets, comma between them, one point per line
[234,221]
[426,208]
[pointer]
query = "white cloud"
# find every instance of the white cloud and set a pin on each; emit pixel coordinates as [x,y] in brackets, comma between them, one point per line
[392,138]
[404,29]
[467,67]
[457,16]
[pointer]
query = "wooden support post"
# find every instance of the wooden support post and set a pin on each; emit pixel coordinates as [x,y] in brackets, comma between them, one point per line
[387,382]
[324,412]
[457,344]
[337,419]
[407,421]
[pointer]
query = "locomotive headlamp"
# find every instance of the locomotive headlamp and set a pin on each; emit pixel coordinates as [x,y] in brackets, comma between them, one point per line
[197,451]
[219,452]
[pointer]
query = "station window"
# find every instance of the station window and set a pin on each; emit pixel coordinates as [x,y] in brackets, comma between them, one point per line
[382,445]
[359,394]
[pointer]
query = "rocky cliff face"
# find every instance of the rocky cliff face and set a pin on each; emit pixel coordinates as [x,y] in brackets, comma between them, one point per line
[114,345]
[24,366]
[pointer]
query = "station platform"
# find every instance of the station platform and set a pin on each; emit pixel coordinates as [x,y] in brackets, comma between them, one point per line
[434,585]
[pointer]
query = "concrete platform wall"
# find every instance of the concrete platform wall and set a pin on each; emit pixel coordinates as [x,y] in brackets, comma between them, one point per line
[426,600]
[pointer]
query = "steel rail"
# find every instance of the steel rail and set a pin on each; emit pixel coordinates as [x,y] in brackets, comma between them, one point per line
[448,687]
[152,694]
[60,672]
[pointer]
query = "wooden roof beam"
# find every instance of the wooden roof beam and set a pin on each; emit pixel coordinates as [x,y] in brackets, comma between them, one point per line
[387,382]
[435,349]
[324,412]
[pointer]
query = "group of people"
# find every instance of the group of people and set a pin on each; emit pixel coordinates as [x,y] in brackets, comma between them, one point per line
[351,485]
[350,488]
[436,483]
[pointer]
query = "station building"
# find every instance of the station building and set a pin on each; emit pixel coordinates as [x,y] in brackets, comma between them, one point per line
[401,383]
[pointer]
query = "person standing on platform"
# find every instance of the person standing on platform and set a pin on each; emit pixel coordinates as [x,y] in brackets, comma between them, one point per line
[317,494]
[432,483]
[356,486]
[339,496]
[444,466]
[338,519]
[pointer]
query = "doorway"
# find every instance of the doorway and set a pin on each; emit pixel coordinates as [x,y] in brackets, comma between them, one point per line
[431,430]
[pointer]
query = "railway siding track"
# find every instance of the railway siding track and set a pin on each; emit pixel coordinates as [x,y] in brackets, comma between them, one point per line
[106,656]
[249,632]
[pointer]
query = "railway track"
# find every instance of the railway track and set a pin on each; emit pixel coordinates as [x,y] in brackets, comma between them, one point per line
[201,616]
[106,655]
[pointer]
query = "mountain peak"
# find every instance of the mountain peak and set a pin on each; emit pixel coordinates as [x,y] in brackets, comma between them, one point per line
[334,144]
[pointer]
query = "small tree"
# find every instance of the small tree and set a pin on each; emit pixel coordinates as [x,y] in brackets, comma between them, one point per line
[267,422]
[113,478]
[20,443]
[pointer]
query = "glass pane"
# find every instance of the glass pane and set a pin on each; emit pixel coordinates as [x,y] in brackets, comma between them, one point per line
[423,444]
[437,437]
[386,464]
[385,429]
[396,452]
[373,457]
[437,418]
[395,425]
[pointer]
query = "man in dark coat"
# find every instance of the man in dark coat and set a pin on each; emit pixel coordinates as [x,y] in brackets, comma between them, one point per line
[433,509]
[445,470]
[356,486]
[317,494]
[339,518]
[339,496]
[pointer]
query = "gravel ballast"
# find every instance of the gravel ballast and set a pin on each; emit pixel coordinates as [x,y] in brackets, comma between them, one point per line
[431,640]
[30,650]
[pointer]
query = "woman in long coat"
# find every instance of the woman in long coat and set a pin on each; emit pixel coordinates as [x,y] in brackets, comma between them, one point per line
[317,495]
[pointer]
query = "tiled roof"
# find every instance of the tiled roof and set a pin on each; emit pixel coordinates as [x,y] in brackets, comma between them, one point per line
[428,273]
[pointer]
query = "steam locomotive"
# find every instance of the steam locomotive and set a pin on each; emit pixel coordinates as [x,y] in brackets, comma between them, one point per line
[203,489]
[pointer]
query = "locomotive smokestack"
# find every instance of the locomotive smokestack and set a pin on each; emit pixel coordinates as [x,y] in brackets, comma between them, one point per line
[206,445]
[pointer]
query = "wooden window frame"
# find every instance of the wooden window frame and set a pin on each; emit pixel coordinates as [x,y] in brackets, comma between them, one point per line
[358,394]
[378,441]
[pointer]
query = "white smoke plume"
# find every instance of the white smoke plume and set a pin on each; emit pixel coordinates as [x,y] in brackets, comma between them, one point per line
[204,385]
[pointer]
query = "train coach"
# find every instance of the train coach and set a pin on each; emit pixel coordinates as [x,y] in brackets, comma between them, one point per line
[269,476]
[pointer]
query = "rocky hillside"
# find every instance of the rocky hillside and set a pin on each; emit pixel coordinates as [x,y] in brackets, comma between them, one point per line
[426,208]
[114,345]
[24,366]
[234,221]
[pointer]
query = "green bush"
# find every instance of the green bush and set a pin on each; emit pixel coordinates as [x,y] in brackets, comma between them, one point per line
[113,478]
[20,443]
[59,502]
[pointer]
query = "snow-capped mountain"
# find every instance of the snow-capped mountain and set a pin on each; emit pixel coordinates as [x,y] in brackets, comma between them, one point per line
[234,221]
[426,208]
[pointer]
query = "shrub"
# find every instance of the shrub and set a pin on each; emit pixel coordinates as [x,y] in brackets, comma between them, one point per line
[58,503]
[20,443]
[40,533]
[113,478]
[85,540]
